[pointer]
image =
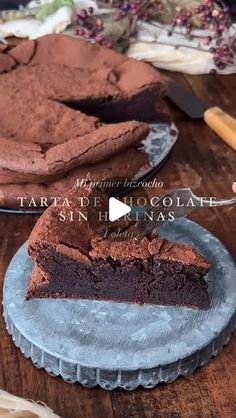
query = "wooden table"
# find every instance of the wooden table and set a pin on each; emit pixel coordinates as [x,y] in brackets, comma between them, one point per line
[199,160]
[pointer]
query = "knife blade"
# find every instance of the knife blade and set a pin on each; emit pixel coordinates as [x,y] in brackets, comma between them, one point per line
[186,100]
[219,121]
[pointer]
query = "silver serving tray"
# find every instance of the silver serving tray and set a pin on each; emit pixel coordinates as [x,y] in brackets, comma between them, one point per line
[123,345]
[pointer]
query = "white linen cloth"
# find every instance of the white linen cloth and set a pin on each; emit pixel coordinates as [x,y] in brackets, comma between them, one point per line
[176,52]
[33,28]
[14,407]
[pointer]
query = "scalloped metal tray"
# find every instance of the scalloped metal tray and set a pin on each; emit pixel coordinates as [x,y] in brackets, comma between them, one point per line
[124,345]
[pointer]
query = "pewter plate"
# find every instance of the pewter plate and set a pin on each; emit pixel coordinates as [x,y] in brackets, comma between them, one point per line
[124,345]
[158,145]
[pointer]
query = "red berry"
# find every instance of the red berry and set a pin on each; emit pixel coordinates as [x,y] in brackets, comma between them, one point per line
[99,26]
[217,56]
[92,33]
[109,44]
[117,16]
[221,27]
[99,22]
[89,26]
[80,32]
[99,38]
[221,16]
[83,14]
[221,66]
[178,20]
[225,48]
[206,41]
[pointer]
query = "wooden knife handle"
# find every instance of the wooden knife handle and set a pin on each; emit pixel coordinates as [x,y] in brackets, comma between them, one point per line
[222,124]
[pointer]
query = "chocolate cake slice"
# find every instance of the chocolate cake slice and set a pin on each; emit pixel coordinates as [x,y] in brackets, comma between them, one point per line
[88,260]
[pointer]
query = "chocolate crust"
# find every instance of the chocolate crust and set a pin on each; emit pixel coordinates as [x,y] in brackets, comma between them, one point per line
[29,161]
[6,63]
[123,165]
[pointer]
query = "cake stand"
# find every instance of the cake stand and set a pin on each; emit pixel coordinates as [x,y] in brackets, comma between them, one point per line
[123,345]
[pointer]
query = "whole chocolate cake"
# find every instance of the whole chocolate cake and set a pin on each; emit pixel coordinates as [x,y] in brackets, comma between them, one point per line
[87,260]
[66,103]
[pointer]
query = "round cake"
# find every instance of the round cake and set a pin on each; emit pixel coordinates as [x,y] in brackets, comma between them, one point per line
[71,109]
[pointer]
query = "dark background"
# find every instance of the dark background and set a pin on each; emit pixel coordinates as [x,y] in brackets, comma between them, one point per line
[232,5]
[11,4]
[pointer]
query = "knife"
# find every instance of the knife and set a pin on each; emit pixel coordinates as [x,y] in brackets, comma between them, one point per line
[218,120]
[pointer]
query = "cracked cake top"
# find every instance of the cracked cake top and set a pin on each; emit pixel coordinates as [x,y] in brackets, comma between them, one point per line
[42,136]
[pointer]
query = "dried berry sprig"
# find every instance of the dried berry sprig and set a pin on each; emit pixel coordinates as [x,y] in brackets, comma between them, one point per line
[224,52]
[90,27]
[213,15]
[137,9]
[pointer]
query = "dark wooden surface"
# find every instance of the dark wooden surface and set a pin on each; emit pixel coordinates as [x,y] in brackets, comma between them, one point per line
[199,160]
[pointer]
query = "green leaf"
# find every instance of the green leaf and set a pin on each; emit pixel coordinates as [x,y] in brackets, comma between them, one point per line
[48,9]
